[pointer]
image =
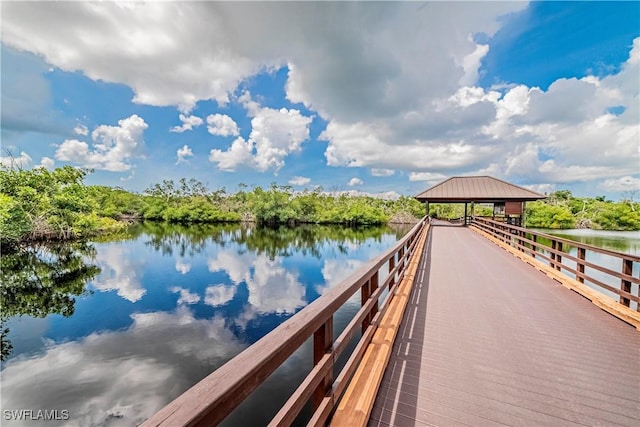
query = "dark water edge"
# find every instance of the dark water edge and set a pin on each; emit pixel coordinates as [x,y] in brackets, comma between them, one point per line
[113,329]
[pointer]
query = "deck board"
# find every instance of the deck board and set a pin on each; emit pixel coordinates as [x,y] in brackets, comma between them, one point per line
[489,340]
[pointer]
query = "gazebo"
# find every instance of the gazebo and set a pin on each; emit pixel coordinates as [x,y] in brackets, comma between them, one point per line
[508,199]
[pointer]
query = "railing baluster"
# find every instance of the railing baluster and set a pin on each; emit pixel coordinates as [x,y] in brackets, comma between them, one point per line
[627,268]
[392,265]
[365,293]
[559,257]
[322,344]
[582,254]
[534,245]
[373,286]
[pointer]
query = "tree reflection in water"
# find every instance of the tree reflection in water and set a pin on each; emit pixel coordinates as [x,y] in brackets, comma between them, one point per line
[271,241]
[43,279]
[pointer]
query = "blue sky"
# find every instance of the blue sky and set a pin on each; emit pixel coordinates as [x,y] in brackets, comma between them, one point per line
[374,97]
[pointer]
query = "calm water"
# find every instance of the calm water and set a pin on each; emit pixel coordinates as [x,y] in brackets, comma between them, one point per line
[112,331]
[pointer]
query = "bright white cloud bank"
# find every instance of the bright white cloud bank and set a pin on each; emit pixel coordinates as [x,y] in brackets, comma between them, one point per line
[21,161]
[112,147]
[396,83]
[274,135]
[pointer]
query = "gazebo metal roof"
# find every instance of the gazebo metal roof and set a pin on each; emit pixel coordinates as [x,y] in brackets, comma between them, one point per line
[460,189]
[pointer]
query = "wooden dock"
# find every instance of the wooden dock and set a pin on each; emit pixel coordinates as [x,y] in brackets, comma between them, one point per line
[489,340]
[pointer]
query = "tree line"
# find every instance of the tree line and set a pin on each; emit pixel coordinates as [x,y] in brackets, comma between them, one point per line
[563,210]
[39,204]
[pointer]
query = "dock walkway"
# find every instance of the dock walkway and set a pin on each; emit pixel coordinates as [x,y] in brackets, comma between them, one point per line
[489,340]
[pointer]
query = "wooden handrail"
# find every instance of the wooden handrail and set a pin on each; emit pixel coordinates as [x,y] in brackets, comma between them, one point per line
[213,398]
[528,241]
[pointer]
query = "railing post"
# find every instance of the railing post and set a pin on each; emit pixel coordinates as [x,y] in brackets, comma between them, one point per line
[392,265]
[322,344]
[365,293]
[582,254]
[553,254]
[534,245]
[559,257]
[373,286]
[627,268]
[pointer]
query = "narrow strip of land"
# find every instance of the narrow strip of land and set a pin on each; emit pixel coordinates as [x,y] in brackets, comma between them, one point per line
[489,340]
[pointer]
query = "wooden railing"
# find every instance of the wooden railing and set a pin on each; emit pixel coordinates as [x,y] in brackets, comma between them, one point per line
[554,250]
[214,397]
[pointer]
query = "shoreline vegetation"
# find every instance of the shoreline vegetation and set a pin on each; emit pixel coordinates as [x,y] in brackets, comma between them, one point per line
[40,205]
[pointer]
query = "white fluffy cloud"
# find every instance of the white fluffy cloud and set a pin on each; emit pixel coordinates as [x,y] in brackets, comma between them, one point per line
[399,93]
[355,181]
[188,123]
[382,172]
[426,176]
[625,183]
[299,180]
[81,130]
[112,148]
[240,152]
[47,163]
[222,125]
[183,153]
[21,161]
[274,135]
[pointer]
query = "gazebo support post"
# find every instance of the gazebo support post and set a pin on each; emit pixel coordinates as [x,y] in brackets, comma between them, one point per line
[465,213]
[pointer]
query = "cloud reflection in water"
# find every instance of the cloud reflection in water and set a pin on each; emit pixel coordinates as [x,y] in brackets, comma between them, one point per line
[120,378]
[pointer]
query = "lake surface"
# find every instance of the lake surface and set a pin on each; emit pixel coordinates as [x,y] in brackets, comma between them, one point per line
[112,331]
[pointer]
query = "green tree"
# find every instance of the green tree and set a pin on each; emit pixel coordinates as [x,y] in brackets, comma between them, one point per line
[42,204]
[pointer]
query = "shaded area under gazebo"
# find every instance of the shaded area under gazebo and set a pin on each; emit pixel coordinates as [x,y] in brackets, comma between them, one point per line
[508,199]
